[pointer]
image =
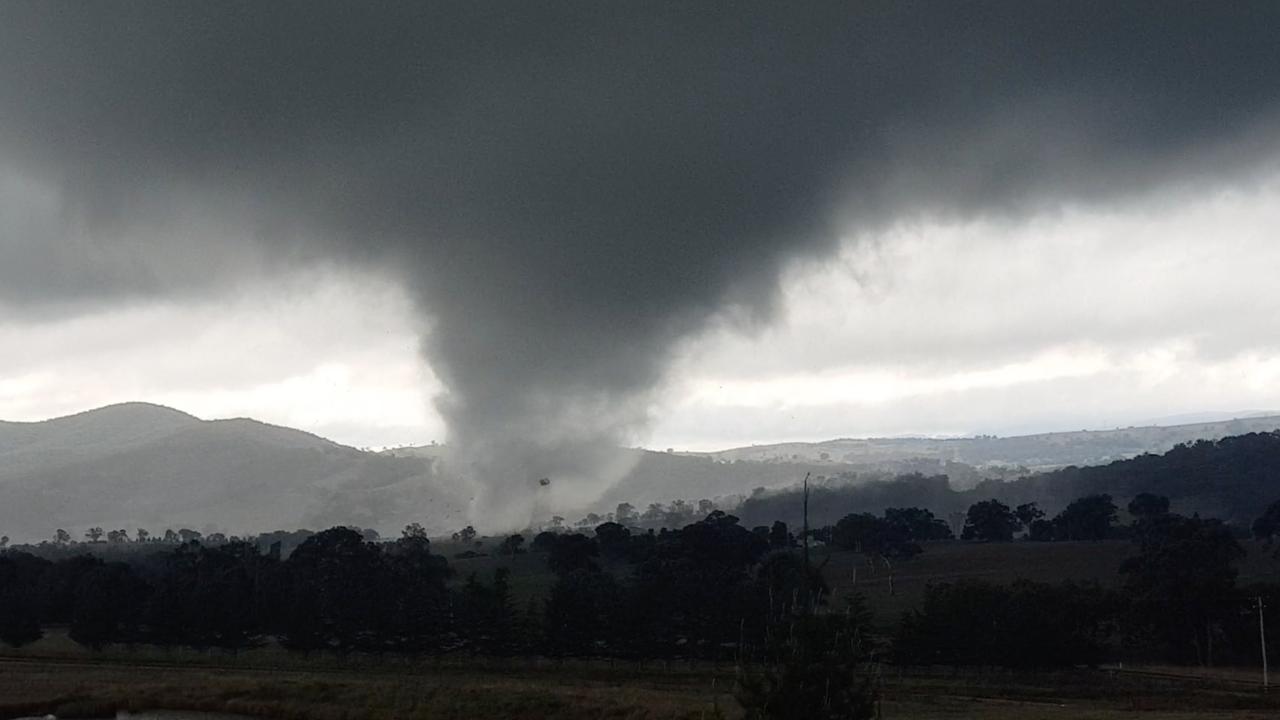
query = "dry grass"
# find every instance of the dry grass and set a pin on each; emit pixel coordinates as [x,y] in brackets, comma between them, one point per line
[98,690]
[950,708]
[56,675]
[996,562]
[527,690]
[999,563]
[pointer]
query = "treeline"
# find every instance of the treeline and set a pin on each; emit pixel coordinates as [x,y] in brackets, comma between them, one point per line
[121,545]
[1228,479]
[1177,602]
[898,532]
[710,590]
[231,595]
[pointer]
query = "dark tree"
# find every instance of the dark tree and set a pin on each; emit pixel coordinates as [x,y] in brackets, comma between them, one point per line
[511,545]
[866,533]
[210,596]
[94,534]
[584,614]
[678,514]
[19,621]
[1148,511]
[1041,530]
[990,521]
[1181,587]
[1087,518]
[614,540]
[779,537]
[1146,505]
[813,672]
[917,524]
[336,588]
[1028,513]
[1268,524]
[109,600]
[419,599]
[1023,625]
[487,616]
[652,516]
[572,552]
[543,541]
[625,514]
[57,587]
[784,581]
[860,532]
[811,661]
[19,600]
[696,584]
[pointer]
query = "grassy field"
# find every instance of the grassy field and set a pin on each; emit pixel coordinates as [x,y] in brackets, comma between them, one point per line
[999,563]
[99,689]
[535,690]
[56,675]
[849,572]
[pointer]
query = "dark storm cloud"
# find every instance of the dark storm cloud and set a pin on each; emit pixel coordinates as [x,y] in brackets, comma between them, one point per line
[569,188]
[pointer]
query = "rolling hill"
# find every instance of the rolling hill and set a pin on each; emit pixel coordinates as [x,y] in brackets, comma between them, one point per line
[1042,451]
[666,476]
[1233,479]
[141,465]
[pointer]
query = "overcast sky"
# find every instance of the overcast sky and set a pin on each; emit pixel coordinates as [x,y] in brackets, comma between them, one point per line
[1076,319]
[539,231]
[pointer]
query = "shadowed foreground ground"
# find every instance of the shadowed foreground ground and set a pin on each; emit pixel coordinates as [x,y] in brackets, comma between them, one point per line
[529,690]
[55,675]
[848,572]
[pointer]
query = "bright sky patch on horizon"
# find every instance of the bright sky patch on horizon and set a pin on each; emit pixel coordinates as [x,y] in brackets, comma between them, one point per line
[1080,319]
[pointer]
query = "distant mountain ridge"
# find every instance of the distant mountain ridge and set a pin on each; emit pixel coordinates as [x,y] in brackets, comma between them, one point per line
[1041,451]
[142,465]
[665,476]
[73,438]
[1232,479]
[110,429]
